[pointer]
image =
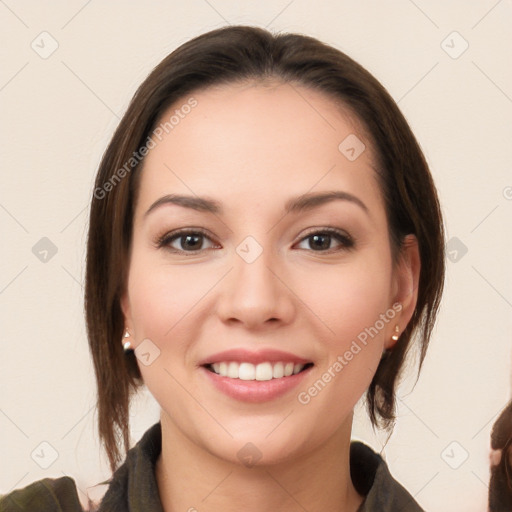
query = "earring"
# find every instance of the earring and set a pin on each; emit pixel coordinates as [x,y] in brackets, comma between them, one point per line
[127,345]
[395,336]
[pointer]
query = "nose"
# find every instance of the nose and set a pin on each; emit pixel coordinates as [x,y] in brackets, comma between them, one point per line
[254,294]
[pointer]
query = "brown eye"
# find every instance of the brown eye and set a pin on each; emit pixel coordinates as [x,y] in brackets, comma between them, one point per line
[183,241]
[320,241]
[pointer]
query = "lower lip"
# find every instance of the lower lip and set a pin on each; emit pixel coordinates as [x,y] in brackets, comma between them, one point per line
[255,390]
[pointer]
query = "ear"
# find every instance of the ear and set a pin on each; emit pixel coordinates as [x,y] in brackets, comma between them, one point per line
[405,285]
[126,309]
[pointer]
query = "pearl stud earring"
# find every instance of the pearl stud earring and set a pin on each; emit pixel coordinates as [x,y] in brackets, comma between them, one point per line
[127,345]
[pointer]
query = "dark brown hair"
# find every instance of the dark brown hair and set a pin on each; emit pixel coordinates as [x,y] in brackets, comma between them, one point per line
[237,54]
[500,483]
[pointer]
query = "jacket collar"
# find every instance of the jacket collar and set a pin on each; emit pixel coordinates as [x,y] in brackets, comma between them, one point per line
[133,486]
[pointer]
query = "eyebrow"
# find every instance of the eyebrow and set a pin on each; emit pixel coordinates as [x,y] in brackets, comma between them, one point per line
[298,204]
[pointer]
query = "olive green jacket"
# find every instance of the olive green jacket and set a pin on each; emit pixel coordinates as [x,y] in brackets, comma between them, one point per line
[133,486]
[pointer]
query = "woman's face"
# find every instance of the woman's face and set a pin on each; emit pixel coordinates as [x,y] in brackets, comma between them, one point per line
[259,276]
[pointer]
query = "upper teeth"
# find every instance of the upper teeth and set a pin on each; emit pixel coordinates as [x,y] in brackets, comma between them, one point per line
[262,371]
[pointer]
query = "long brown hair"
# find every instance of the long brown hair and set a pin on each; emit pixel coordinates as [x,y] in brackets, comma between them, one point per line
[236,54]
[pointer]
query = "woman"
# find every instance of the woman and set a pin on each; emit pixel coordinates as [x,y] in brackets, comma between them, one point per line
[265,243]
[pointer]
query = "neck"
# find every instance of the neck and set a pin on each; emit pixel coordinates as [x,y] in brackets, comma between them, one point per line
[189,478]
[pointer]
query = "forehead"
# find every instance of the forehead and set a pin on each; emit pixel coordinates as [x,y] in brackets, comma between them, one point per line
[260,142]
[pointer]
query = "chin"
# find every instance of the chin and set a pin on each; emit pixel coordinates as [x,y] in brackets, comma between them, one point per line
[259,449]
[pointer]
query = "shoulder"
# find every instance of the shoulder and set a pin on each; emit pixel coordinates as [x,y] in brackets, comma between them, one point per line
[371,478]
[46,495]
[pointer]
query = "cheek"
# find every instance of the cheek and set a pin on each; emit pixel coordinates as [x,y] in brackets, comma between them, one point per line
[348,298]
[163,296]
[162,301]
[353,301]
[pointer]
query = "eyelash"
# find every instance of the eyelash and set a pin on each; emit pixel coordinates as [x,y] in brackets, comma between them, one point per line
[347,242]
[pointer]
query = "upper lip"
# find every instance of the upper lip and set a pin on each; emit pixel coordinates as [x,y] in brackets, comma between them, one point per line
[242,355]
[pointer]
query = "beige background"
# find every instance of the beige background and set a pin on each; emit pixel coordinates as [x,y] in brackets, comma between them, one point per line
[58,113]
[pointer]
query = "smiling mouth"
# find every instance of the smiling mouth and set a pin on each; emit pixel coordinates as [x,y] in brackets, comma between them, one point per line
[258,372]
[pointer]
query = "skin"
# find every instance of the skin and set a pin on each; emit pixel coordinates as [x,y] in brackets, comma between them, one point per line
[252,147]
